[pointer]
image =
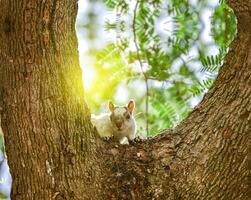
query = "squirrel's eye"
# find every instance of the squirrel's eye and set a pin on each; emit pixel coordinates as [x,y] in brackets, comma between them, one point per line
[127,116]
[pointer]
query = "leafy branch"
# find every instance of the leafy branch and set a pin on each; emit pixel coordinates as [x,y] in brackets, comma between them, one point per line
[159,37]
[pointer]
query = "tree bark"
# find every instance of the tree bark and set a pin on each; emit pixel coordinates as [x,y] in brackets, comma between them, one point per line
[45,119]
[53,150]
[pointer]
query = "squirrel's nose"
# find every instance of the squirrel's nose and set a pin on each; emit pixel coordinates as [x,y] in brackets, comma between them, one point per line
[119,124]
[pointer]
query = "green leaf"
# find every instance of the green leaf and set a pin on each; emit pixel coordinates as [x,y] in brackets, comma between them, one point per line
[3,196]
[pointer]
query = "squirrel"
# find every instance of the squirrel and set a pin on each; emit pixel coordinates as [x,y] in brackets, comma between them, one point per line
[119,123]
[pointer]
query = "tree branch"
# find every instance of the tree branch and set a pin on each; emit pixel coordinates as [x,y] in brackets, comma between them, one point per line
[206,156]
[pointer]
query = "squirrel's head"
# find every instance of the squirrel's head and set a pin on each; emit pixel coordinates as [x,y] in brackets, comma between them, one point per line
[122,116]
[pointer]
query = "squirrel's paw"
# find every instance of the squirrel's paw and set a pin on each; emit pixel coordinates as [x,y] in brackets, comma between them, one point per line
[108,138]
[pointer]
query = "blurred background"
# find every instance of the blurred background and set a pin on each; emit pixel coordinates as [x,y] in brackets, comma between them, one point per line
[164,54]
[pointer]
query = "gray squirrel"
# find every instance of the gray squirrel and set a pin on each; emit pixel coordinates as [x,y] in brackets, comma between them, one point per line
[119,123]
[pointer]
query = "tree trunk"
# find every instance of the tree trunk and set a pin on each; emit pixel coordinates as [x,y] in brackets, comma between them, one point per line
[52,148]
[45,120]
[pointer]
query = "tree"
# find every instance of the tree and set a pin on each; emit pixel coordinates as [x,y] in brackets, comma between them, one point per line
[53,150]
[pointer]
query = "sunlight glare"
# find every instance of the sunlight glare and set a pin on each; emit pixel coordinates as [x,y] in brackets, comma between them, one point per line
[89,76]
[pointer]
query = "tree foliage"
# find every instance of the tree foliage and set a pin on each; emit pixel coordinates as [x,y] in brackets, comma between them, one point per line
[156,54]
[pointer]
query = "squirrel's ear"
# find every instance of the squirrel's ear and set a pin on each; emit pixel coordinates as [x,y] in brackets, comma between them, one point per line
[111,106]
[131,106]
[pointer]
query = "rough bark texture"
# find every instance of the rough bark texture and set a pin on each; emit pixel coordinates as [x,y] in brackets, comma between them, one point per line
[45,120]
[52,148]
